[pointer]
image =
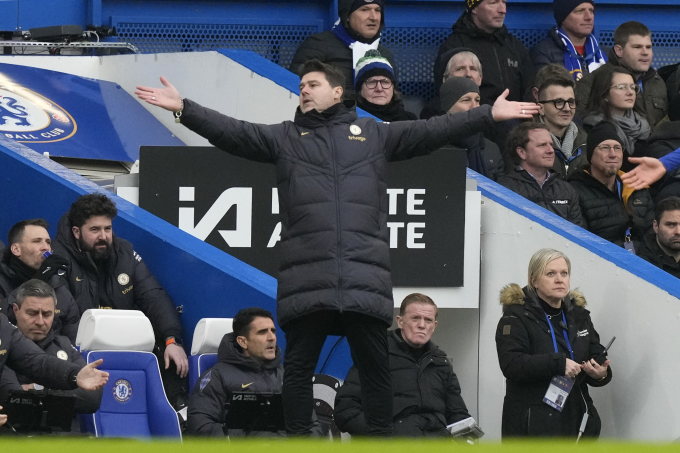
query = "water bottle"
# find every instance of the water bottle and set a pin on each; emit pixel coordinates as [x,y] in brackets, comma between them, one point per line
[46,255]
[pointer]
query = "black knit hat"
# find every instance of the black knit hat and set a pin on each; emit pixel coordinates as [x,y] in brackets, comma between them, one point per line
[472,4]
[602,131]
[453,89]
[562,8]
[356,4]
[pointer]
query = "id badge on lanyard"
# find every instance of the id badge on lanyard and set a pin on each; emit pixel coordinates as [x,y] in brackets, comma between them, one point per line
[560,386]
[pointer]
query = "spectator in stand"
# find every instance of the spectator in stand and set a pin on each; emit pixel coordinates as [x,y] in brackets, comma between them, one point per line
[571,43]
[612,99]
[661,247]
[558,107]
[530,145]
[34,310]
[504,57]
[376,90]
[633,51]
[23,260]
[425,387]
[357,31]
[458,62]
[459,94]
[611,209]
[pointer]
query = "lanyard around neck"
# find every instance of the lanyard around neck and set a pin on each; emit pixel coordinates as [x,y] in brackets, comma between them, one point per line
[564,332]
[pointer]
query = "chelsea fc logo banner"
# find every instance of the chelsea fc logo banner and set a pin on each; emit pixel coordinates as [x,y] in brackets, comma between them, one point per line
[72,116]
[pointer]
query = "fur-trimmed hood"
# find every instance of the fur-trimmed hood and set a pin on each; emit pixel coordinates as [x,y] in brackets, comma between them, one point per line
[512,294]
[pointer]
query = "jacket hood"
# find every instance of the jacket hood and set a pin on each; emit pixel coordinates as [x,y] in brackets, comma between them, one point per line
[344,112]
[229,353]
[343,14]
[65,235]
[512,294]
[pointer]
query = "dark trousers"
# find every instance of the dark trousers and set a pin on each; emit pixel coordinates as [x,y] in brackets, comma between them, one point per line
[175,386]
[367,338]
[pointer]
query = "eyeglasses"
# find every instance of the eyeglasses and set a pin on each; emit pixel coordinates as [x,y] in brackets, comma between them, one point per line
[372,83]
[624,86]
[560,103]
[607,148]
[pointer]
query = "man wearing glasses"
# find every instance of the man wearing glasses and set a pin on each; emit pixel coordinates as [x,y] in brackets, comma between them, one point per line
[557,109]
[610,208]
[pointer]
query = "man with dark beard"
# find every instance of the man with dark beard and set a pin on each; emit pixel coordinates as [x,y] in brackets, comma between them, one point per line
[106,272]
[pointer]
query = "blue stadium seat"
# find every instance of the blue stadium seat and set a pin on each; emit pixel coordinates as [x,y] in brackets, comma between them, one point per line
[207,337]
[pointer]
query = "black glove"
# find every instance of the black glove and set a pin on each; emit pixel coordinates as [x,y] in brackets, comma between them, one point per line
[53,264]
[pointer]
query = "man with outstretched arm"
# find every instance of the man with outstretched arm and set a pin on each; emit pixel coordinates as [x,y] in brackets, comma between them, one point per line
[334,273]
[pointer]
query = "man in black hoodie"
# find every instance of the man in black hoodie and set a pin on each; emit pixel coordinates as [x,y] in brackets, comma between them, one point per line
[357,30]
[248,361]
[661,247]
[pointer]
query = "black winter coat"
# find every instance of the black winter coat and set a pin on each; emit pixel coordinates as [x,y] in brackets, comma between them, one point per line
[25,357]
[607,215]
[234,372]
[394,111]
[66,314]
[128,283]
[650,251]
[528,361]
[331,170]
[579,158]
[556,195]
[327,48]
[426,393]
[551,50]
[503,57]
[652,101]
[87,402]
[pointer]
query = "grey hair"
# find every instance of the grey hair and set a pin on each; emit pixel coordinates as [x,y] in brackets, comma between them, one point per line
[34,288]
[470,55]
[540,261]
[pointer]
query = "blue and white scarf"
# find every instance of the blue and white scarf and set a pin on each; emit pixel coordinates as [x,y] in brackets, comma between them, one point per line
[359,49]
[594,57]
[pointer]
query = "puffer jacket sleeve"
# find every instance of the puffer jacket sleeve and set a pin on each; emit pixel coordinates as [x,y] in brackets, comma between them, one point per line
[455,406]
[582,92]
[69,312]
[575,215]
[206,413]
[8,383]
[514,353]
[251,141]
[314,46]
[641,208]
[406,139]
[348,412]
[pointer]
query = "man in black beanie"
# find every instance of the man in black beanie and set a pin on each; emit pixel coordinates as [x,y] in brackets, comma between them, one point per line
[505,60]
[611,209]
[571,43]
[357,30]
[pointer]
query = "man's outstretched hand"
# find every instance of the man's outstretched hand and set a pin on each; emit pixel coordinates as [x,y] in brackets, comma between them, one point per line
[167,98]
[507,110]
[90,378]
[648,171]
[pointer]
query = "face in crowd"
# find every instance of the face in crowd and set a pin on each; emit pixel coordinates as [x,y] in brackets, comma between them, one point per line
[34,242]
[553,283]
[667,231]
[637,54]
[95,237]
[467,102]
[489,15]
[538,153]
[260,343]
[317,93]
[35,317]
[463,66]
[557,119]
[366,20]
[378,90]
[418,323]
[607,159]
[622,94]
[580,22]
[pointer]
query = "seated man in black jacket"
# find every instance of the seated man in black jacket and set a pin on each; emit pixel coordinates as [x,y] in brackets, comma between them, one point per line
[34,310]
[106,272]
[530,146]
[23,260]
[661,247]
[426,390]
[248,361]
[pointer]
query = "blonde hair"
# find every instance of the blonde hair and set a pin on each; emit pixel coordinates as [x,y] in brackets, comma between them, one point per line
[540,261]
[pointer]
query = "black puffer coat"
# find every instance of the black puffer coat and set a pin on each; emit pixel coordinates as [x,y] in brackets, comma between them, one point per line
[504,59]
[426,393]
[234,372]
[528,361]
[609,216]
[326,47]
[25,357]
[67,316]
[87,401]
[551,50]
[649,250]
[556,195]
[123,283]
[331,170]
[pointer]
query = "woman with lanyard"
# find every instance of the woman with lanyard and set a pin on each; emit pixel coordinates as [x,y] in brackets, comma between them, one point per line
[549,353]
